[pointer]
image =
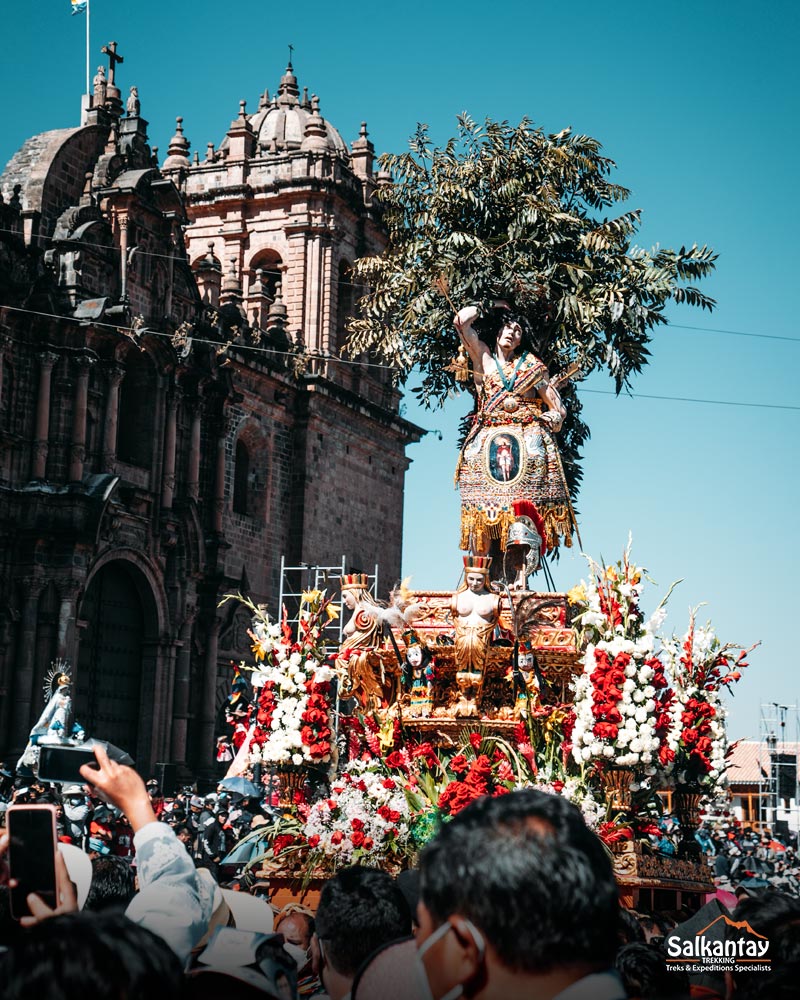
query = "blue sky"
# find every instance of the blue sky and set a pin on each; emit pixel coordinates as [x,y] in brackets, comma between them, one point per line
[697,102]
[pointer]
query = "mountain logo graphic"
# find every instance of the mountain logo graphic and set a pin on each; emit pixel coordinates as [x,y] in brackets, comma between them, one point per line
[734,944]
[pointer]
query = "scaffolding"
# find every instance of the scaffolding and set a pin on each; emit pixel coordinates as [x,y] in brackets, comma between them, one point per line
[779,742]
[295,580]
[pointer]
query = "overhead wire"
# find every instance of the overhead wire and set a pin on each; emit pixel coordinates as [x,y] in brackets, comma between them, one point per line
[352,284]
[324,356]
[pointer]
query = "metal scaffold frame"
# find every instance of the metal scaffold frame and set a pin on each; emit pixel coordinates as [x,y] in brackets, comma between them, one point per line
[779,725]
[297,579]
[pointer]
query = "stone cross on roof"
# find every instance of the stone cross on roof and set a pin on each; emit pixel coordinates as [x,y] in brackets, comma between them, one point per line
[110,50]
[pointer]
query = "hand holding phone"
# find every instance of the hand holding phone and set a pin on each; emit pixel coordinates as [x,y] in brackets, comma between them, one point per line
[121,786]
[31,856]
[34,904]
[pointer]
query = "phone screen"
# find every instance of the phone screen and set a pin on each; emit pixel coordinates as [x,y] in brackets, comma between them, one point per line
[31,856]
[64,763]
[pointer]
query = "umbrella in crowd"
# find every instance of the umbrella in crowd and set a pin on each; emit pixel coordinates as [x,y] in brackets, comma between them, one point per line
[241,786]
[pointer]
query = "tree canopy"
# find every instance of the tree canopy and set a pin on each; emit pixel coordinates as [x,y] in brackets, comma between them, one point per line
[511,212]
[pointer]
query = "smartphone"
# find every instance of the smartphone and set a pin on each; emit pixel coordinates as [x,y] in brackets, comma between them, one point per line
[64,763]
[31,855]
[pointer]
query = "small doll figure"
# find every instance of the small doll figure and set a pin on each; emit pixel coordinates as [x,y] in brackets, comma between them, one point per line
[526,684]
[418,674]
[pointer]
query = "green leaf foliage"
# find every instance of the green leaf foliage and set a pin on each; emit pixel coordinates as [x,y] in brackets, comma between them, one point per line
[511,212]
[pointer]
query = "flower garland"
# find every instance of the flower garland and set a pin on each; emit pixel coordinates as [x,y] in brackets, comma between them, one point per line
[292,723]
[701,667]
[622,693]
[367,818]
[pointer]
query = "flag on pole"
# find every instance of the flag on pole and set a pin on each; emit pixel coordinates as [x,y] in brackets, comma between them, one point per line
[79,6]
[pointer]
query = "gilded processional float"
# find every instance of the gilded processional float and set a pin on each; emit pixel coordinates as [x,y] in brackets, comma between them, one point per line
[434,698]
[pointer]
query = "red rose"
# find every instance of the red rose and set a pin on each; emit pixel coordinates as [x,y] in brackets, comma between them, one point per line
[459,764]
[357,824]
[337,837]
[313,840]
[475,740]
[558,786]
[369,843]
[397,760]
[388,783]
[357,838]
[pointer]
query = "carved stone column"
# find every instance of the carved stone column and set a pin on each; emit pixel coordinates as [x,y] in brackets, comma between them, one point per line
[46,362]
[209,709]
[219,482]
[77,455]
[68,591]
[168,479]
[115,377]
[181,691]
[193,472]
[25,668]
[4,341]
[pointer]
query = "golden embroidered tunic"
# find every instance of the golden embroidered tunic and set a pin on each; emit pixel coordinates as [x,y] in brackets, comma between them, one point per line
[510,454]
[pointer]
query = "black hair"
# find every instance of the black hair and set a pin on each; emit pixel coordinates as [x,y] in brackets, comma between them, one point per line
[113,884]
[643,970]
[776,916]
[488,328]
[102,956]
[630,929]
[528,872]
[360,909]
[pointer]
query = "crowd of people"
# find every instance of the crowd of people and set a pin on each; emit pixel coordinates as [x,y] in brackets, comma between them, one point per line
[514,898]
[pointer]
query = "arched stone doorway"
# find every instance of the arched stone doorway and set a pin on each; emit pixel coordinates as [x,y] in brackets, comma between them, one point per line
[116,659]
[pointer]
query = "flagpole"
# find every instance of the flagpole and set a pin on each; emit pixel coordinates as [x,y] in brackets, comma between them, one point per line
[88,71]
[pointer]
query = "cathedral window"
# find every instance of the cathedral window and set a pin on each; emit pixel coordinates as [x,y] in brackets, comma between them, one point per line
[241,478]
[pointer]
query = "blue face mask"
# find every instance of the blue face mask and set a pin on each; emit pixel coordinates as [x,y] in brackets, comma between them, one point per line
[425,991]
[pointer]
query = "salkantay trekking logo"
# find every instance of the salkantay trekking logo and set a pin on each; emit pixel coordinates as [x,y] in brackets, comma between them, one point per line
[738,948]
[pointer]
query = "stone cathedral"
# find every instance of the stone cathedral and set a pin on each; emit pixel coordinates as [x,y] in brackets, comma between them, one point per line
[175,414]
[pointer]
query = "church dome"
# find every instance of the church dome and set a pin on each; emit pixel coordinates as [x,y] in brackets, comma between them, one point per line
[282,123]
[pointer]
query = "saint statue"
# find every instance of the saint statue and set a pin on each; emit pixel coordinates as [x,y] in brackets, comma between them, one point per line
[510,453]
[134,105]
[100,85]
[475,611]
[361,636]
[56,726]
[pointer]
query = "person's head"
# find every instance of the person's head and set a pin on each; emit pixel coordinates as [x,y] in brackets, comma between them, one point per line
[775,916]
[515,886]
[505,329]
[359,910]
[113,884]
[102,956]
[643,970]
[509,336]
[296,923]
[222,817]
[184,834]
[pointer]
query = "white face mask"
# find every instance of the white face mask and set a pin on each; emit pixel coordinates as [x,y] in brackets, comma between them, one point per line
[426,993]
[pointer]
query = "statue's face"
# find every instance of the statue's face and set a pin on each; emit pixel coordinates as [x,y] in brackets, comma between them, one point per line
[476,582]
[510,336]
[525,662]
[349,598]
[414,656]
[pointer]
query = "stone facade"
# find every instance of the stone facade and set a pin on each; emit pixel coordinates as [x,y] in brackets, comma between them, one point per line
[174,413]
